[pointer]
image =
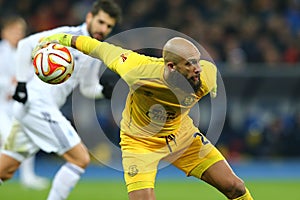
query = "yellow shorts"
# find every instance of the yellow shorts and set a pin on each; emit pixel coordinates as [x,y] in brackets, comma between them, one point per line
[188,150]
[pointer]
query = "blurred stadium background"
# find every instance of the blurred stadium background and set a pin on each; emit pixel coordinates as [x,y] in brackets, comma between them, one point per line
[256,46]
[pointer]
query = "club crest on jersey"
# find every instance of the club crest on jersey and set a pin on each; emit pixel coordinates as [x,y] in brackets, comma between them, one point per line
[188,100]
[132,170]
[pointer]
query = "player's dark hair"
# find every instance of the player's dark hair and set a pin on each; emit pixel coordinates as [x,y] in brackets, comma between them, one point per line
[108,6]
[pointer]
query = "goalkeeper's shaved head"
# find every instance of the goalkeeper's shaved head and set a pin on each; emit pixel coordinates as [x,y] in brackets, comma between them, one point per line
[177,49]
[181,58]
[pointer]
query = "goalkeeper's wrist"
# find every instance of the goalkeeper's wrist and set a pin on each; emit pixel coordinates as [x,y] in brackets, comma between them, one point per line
[66,40]
[73,41]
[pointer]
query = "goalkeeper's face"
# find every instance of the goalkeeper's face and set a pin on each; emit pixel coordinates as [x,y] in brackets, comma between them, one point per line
[182,58]
[100,25]
[186,71]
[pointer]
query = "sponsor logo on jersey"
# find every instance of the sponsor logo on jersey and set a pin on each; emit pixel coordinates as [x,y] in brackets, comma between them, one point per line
[158,113]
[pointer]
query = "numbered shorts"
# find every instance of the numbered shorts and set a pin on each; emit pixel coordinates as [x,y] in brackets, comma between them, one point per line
[38,128]
[188,150]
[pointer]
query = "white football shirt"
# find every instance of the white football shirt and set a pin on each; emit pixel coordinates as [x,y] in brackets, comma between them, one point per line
[86,71]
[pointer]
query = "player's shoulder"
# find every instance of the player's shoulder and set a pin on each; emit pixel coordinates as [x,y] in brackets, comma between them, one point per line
[207,65]
[2,44]
[148,59]
[5,48]
[208,74]
[76,30]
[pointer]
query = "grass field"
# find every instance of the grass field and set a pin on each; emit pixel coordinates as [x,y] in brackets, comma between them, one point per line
[165,190]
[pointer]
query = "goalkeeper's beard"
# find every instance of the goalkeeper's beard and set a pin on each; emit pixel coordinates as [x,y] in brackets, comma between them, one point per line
[186,84]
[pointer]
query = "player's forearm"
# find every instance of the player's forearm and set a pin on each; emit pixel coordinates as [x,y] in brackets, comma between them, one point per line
[108,53]
[104,51]
[73,41]
[87,45]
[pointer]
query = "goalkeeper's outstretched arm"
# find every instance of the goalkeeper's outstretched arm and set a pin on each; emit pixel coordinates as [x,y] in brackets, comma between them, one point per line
[108,53]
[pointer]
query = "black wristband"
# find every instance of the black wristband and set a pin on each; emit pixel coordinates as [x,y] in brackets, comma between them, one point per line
[20,94]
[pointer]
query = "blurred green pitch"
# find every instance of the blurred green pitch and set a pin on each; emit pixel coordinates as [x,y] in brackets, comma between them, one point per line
[165,190]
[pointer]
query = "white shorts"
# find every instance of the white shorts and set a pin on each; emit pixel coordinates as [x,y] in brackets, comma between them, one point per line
[5,121]
[39,127]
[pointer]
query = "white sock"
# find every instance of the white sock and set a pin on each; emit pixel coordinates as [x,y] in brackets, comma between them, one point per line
[27,169]
[64,181]
[1,182]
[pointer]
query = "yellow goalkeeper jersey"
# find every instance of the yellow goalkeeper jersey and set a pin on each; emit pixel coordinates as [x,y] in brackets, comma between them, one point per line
[153,108]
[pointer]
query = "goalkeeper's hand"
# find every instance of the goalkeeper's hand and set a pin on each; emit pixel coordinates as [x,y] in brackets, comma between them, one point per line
[20,94]
[59,38]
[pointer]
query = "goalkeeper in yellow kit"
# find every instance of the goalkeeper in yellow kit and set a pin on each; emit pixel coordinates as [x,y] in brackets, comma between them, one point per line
[155,123]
